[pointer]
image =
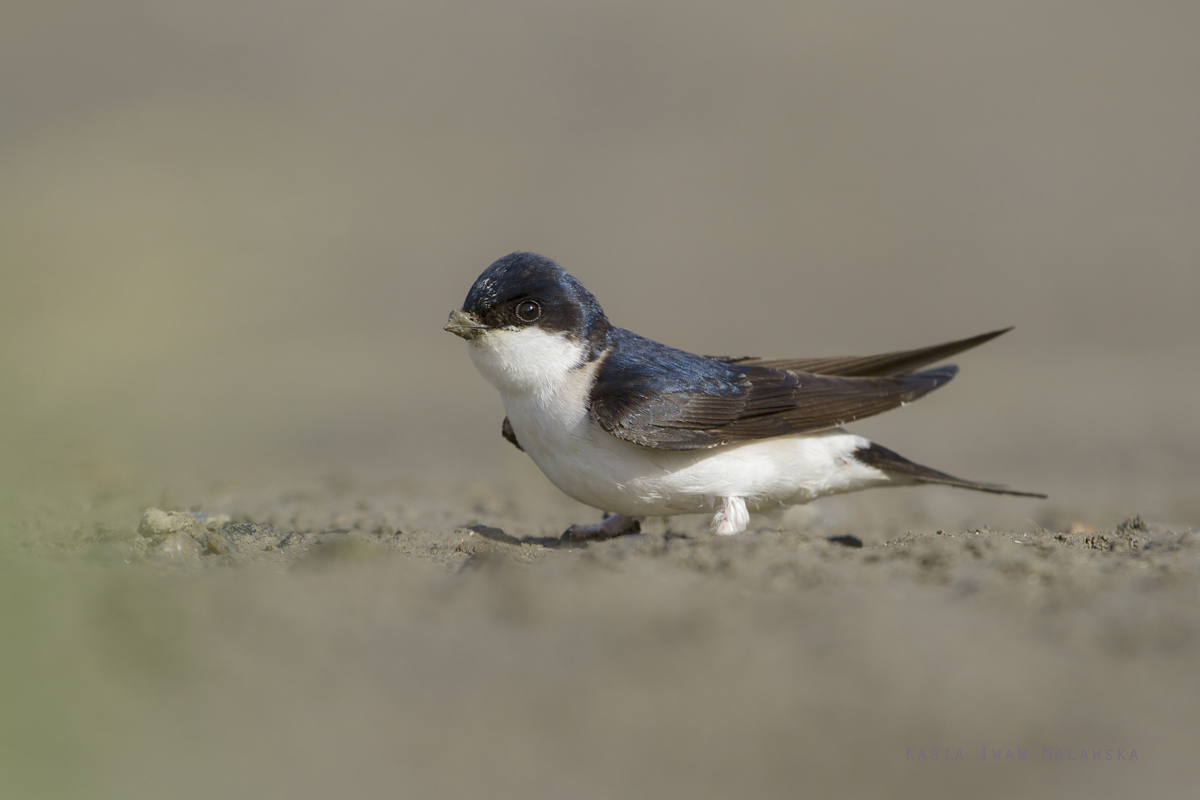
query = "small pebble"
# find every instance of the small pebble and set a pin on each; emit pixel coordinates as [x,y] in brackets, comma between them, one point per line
[179,546]
[156,522]
[218,545]
[291,539]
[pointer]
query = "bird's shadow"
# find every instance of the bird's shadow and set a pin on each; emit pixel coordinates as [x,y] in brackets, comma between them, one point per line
[498,535]
[557,543]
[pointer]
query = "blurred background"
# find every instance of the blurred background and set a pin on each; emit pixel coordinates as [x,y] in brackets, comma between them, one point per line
[230,234]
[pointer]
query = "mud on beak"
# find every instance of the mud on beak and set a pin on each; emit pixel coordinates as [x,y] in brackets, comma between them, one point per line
[464,325]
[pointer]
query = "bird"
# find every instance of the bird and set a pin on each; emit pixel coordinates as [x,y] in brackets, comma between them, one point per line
[635,428]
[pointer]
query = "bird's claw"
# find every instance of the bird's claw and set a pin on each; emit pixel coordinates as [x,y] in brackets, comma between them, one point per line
[613,526]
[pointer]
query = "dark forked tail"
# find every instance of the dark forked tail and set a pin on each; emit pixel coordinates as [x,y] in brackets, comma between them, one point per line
[893,463]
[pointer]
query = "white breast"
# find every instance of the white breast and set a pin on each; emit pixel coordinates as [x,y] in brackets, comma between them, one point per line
[544,383]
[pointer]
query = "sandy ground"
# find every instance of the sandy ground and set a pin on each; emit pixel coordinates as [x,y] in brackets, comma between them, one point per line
[229,238]
[360,640]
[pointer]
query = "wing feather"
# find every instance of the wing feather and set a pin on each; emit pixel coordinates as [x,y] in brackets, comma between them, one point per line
[751,402]
[896,363]
[660,397]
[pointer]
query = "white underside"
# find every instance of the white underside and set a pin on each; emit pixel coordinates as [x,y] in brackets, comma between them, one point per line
[545,391]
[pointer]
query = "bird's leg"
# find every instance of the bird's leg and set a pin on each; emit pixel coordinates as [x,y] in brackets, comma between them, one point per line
[731,517]
[613,525]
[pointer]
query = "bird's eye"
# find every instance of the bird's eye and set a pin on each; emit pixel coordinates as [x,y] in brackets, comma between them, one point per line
[528,310]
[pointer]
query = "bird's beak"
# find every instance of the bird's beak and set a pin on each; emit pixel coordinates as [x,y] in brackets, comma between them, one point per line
[464,325]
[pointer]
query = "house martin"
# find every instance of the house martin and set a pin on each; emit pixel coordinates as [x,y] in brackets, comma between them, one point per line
[636,428]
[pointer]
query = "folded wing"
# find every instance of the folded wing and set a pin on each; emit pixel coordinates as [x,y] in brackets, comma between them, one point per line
[663,398]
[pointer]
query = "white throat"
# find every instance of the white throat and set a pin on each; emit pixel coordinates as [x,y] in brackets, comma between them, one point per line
[526,361]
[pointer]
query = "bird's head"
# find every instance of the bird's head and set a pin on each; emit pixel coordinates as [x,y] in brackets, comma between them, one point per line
[526,317]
